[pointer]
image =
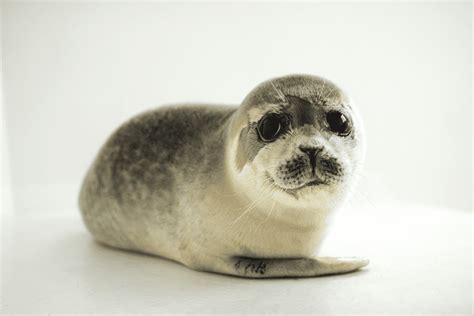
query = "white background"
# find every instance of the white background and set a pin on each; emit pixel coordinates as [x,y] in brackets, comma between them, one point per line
[73,72]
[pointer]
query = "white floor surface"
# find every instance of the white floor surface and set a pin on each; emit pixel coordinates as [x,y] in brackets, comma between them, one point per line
[421,263]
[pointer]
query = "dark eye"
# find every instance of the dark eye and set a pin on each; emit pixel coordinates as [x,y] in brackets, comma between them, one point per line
[271,126]
[338,123]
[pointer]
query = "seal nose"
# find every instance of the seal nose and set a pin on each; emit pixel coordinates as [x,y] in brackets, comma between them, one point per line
[312,153]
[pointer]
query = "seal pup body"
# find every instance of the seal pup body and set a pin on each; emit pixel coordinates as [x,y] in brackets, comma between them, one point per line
[244,191]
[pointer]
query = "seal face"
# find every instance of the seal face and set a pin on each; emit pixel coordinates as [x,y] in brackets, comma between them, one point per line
[299,137]
[236,190]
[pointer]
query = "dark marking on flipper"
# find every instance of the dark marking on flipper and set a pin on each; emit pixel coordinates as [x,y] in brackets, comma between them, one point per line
[251,266]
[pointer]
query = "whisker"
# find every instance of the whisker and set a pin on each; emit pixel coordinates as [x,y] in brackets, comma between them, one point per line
[280,94]
[250,207]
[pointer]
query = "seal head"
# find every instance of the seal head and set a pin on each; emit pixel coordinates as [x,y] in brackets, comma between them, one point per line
[297,139]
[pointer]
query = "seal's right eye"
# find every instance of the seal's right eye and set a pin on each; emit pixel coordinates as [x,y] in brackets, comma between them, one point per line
[271,126]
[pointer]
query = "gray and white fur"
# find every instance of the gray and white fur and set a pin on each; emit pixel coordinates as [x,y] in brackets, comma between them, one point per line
[198,184]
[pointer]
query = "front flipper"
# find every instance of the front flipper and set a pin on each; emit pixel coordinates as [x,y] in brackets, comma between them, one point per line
[289,268]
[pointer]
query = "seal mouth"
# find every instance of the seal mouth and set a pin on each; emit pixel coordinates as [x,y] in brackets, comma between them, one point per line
[312,183]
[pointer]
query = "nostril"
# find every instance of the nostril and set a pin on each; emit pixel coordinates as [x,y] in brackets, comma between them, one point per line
[310,151]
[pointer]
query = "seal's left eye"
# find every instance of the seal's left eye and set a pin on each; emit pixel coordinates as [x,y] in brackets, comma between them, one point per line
[270,127]
[338,123]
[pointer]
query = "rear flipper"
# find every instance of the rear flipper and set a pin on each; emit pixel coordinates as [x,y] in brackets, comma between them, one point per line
[290,268]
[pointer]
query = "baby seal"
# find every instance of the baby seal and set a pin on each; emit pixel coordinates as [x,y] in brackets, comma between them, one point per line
[244,191]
